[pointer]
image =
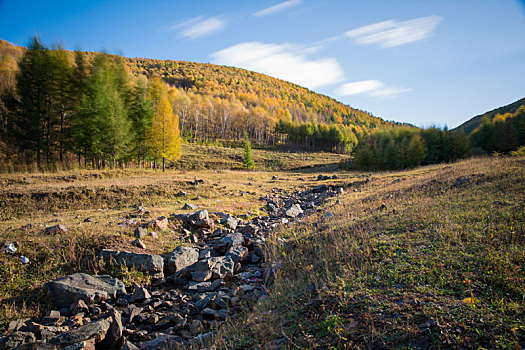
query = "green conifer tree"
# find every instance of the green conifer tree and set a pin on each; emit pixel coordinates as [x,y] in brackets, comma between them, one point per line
[248,161]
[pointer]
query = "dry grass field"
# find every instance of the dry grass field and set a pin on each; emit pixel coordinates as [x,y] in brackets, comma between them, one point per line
[426,258]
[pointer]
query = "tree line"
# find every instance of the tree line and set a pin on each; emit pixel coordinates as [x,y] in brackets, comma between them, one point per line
[104,109]
[403,147]
[61,106]
[503,134]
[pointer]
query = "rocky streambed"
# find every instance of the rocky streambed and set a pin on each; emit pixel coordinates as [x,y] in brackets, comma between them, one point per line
[194,290]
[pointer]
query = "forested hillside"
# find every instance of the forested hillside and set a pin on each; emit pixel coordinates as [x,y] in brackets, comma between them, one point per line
[470,125]
[214,105]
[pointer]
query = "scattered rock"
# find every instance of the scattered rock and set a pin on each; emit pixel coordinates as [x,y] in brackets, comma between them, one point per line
[54,230]
[140,294]
[189,206]
[141,232]
[67,290]
[138,243]
[152,264]
[180,258]
[294,211]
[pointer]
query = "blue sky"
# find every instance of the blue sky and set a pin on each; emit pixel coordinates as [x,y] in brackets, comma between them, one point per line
[422,62]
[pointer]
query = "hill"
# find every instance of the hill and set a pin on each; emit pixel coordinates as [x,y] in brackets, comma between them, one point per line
[470,125]
[262,96]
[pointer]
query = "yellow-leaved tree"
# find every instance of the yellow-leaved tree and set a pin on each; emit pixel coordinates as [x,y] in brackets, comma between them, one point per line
[164,135]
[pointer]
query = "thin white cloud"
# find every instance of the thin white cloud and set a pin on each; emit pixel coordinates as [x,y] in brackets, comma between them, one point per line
[372,88]
[199,27]
[276,8]
[391,33]
[287,62]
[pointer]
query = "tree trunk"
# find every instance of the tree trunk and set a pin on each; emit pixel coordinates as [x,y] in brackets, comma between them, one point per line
[163,164]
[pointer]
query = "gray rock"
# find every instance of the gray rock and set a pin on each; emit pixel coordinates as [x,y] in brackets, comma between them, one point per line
[222,267]
[141,232]
[140,294]
[16,339]
[138,243]
[230,222]
[149,263]
[67,290]
[294,211]
[189,206]
[180,258]
[78,307]
[57,229]
[230,240]
[163,341]
[201,270]
[95,331]
[114,337]
[238,254]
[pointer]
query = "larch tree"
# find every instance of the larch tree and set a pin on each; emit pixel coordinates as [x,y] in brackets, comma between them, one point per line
[164,134]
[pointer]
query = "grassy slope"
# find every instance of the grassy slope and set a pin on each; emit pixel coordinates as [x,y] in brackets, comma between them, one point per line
[440,266]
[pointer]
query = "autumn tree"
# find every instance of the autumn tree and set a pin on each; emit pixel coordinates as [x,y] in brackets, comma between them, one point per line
[164,135]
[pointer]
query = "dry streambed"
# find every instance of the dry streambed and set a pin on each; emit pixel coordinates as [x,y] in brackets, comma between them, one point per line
[194,290]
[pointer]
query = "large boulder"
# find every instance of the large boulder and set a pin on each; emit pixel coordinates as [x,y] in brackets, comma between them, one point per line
[149,263]
[80,286]
[180,258]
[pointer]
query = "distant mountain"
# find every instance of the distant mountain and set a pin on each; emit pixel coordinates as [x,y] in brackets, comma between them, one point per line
[470,125]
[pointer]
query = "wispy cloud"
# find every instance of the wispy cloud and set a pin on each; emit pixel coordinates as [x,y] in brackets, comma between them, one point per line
[199,27]
[288,62]
[276,8]
[373,88]
[391,33]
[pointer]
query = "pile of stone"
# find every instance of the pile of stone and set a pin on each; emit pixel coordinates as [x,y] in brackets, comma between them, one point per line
[195,288]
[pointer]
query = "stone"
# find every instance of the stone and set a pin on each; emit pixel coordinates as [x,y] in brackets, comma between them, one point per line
[460,181]
[140,232]
[180,258]
[78,307]
[161,223]
[149,263]
[16,339]
[94,331]
[129,346]
[189,206]
[205,301]
[163,341]
[114,337]
[238,254]
[202,270]
[66,290]
[57,229]
[293,211]
[140,294]
[196,327]
[222,267]
[138,243]
[230,240]
[320,189]
[16,325]
[230,222]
